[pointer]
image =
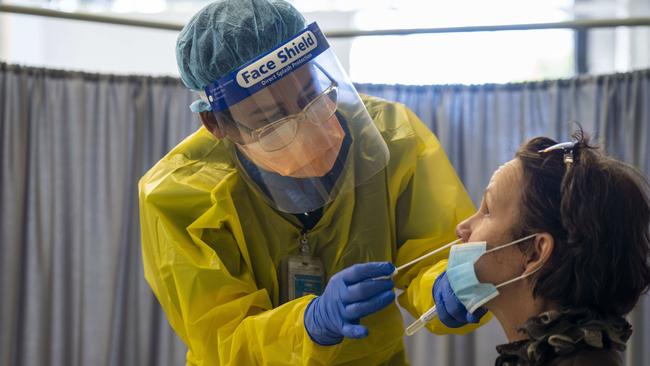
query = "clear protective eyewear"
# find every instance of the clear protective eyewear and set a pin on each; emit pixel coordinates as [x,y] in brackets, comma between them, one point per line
[280,133]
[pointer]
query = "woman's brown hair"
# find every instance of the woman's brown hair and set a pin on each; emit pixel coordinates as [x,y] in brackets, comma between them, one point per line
[598,211]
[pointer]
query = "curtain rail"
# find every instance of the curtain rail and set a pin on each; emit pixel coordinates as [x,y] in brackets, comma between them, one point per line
[89,17]
[573,24]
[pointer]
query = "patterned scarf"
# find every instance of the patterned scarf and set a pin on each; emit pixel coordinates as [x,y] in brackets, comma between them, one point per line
[561,333]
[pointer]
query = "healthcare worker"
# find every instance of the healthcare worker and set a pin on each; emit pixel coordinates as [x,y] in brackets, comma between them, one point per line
[268,234]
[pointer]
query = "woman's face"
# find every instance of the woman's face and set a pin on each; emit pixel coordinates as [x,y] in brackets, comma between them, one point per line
[493,223]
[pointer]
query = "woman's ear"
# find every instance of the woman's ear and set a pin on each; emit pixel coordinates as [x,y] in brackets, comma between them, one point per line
[539,253]
[210,122]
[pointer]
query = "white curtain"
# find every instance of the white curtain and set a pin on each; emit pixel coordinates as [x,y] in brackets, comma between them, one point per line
[73,146]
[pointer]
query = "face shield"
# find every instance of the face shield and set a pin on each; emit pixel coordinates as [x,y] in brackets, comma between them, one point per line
[298,129]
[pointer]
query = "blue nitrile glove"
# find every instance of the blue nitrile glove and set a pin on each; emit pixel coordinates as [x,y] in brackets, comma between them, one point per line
[451,311]
[349,296]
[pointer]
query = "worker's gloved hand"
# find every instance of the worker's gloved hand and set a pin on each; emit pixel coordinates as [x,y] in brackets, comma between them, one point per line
[451,311]
[349,296]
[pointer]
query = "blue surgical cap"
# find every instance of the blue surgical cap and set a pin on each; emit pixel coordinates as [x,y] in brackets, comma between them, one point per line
[226,34]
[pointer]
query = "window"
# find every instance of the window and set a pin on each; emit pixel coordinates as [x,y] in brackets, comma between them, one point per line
[482,57]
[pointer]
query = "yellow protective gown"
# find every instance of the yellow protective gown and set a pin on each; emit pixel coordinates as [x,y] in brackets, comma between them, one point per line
[212,247]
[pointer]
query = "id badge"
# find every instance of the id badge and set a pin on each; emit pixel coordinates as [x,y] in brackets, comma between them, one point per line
[302,275]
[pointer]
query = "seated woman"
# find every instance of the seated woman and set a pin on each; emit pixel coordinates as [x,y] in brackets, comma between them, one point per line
[571,226]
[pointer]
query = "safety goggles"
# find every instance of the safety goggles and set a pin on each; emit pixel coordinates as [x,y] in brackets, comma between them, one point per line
[280,133]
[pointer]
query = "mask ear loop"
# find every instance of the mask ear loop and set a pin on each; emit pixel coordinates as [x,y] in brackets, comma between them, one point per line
[510,244]
[522,276]
[505,246]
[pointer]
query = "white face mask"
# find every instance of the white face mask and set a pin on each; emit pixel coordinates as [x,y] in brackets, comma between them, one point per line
[311,154]
[462,275]
[462,278]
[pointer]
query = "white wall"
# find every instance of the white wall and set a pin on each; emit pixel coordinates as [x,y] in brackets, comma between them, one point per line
[77,45]
[105,48]
[341,20]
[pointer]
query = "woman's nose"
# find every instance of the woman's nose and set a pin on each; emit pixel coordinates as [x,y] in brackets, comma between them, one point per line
[463,231]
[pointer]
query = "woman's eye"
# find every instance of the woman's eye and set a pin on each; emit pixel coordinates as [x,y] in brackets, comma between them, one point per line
[485,209]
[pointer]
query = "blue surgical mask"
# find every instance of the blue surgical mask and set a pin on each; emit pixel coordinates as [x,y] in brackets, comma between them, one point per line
[462,276]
